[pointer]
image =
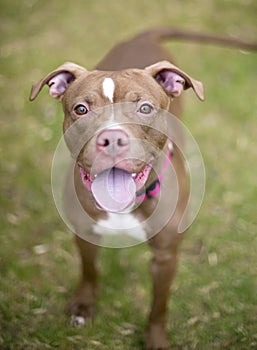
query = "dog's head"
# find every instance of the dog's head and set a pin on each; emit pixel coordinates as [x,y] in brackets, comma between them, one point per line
[118,113]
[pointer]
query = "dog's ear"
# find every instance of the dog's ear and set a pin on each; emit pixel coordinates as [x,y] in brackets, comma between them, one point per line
[174,80]
[58,80]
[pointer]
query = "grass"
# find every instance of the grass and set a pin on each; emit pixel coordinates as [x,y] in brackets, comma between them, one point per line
[213,303]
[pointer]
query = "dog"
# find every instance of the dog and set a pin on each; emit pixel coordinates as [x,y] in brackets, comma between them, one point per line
[122,156]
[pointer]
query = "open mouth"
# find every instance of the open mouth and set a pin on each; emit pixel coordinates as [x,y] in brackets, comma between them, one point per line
[114,189]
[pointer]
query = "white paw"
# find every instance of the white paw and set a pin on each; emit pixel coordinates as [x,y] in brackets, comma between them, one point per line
[77,321]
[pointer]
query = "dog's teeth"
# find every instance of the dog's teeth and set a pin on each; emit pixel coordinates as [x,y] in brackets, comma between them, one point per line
[134,175]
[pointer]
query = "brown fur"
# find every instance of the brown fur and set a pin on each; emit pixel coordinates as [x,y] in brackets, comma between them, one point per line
[126,64]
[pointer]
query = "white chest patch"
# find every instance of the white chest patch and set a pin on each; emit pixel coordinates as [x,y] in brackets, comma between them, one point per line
[108,88]
[118,224]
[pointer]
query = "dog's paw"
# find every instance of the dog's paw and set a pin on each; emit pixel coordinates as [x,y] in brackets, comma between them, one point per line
[156,339]
[77,321]
[82,306]
[81,313]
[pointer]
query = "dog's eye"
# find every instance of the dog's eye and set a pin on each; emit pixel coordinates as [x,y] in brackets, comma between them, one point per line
[81,110]
[146,108]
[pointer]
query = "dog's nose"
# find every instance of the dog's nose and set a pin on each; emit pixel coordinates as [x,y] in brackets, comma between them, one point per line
[113,142]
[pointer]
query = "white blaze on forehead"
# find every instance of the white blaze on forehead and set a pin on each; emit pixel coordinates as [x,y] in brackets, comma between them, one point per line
[108,88]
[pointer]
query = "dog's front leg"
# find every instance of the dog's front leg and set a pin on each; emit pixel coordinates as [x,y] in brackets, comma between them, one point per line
[163,269]
[82,305]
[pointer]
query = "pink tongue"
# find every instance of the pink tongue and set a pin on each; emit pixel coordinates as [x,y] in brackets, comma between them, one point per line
[114,189]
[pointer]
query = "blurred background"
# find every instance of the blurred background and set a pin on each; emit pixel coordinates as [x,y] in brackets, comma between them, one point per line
[213,303]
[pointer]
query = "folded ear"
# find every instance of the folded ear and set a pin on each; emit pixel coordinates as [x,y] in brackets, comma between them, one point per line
[58,80]
[174,80]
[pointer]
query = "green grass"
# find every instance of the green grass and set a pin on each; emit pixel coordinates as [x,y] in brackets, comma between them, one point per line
[213,304]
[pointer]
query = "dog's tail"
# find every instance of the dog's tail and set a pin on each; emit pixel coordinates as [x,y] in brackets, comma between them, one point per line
[184,35]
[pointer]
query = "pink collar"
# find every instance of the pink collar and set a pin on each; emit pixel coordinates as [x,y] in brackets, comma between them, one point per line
[154,188]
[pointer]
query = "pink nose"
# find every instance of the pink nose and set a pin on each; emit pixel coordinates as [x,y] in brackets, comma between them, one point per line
[113,142]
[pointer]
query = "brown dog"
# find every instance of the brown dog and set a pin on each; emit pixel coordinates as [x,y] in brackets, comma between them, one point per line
[137,73]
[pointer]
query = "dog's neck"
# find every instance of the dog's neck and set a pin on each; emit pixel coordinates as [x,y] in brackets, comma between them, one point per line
[153,189]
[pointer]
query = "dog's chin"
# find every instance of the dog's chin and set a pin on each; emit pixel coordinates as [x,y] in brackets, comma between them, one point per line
[114,189]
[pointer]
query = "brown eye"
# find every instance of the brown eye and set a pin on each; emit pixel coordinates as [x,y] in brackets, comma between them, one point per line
[146,108]
[81,110]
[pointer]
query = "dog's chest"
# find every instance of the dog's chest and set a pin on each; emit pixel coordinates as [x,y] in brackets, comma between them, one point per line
[121,224]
